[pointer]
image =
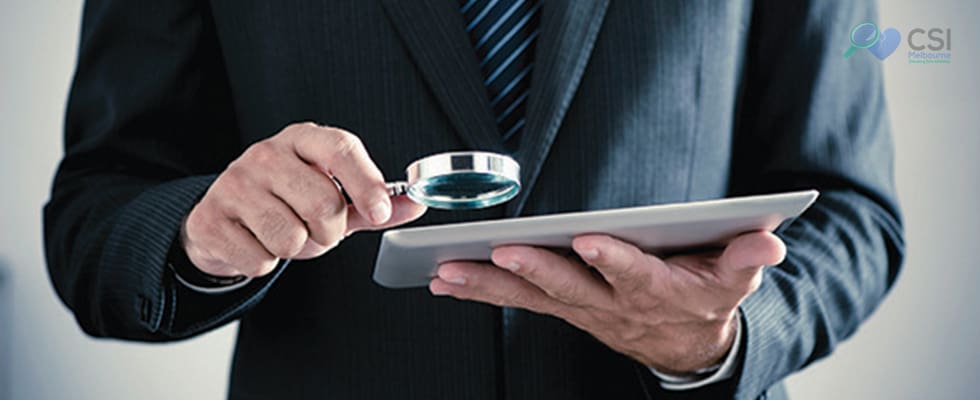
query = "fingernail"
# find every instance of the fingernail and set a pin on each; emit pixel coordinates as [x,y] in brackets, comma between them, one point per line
[438,292]
[455,280]
[589,254]
[380,212]
[511,266]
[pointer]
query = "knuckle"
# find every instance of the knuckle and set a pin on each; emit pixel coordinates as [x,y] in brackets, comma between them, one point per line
[233,177]
[294,242]
[333,234]
[635,279]
[298,128]
[320,241]
[285,238]
[305,126]
[519,298]
[231,186]
[204,226]
[263,153]
[346,144]
[529,299]
[320,210]
[199,222]
[288,244]
[272,223]
[567,292]
[236,255]
[202,231]
[529,272]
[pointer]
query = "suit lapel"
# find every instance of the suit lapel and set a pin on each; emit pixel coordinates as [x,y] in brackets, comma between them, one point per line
[434,34]
[568,33]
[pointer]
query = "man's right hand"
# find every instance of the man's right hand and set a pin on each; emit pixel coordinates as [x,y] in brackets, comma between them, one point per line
[278,200]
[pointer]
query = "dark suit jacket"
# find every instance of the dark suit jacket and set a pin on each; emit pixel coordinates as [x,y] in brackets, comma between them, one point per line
[632,103]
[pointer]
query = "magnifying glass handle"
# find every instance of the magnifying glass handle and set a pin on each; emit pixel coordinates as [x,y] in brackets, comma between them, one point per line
[394,189]
[847,53]
[397,188]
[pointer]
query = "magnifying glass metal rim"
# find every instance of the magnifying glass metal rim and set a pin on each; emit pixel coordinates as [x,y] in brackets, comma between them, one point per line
[855,46]
[441,165]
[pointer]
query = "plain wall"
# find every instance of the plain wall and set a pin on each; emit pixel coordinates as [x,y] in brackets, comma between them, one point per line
[923,341]
[920,344]
[52,358]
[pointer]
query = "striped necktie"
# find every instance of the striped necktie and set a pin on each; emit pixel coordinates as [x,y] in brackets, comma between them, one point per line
[503,33]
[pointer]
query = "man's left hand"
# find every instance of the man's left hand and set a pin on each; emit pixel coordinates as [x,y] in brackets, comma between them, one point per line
[675,314]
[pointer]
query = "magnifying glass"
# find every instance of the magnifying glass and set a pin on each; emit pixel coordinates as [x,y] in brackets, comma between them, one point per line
[460,180]
[863,35]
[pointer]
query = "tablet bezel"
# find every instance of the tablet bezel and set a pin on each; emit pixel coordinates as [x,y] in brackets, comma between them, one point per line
[409,257]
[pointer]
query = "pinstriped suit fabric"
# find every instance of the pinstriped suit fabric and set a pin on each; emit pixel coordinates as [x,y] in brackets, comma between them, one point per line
[632,102]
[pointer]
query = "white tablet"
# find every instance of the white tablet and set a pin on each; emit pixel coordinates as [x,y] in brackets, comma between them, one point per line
[409,257]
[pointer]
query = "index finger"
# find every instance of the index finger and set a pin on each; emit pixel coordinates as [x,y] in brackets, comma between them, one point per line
[567,281]
[623,265]
[342,155]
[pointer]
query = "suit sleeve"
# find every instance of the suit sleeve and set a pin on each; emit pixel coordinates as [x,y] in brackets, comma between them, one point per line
[149,124]
[810,118]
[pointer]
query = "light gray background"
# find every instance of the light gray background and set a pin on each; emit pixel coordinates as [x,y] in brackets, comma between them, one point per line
[922,343]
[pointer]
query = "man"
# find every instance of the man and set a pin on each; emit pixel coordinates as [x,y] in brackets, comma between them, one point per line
[203,141]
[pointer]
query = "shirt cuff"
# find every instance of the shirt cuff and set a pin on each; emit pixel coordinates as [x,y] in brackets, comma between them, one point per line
[194,279]
[708,375]
[214,289]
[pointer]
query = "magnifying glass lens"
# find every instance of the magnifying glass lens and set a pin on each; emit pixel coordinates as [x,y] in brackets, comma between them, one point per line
[465,190]
[463,180]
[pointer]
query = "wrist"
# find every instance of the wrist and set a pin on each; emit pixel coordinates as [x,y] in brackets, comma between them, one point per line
[702,351]
[197,280]
[708,376]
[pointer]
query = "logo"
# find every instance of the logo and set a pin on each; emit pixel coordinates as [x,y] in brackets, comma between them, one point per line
[879,43]
[935,50]
[928,46]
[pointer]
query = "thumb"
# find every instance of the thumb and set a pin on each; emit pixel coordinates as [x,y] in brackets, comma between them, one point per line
[749,252]
[403,211]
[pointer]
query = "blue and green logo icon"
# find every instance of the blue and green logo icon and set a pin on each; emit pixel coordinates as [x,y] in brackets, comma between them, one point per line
[879,43]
